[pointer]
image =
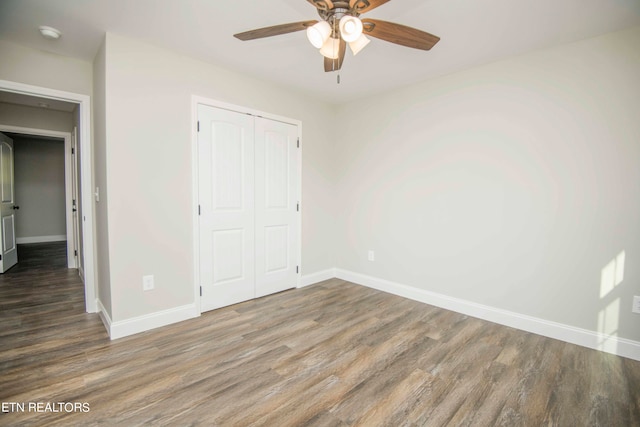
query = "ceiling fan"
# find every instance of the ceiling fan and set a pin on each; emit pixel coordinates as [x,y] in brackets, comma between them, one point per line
[340,24]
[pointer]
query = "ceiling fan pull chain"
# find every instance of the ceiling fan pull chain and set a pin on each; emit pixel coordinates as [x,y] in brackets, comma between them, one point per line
[338,78]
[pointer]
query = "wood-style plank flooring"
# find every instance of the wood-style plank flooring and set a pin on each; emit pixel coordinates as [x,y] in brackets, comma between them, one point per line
[332,354]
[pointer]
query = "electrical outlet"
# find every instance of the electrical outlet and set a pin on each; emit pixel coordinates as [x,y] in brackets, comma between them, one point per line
[371,256]
[636,305]
[147,283]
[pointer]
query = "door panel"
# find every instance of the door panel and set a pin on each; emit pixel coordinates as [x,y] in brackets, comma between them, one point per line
[226,198]
[7,213]
[276,206]
[276,248]
[228,255]
[8,233]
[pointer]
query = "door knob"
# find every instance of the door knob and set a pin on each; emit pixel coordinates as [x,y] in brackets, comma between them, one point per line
[15,207]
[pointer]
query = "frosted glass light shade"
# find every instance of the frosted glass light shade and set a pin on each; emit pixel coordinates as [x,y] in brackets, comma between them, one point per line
[318,33]
[350,28]
[331,48]
[359,44]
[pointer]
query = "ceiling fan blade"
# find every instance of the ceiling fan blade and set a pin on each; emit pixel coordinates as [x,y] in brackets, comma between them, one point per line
[322,4]
[399,34]
[336,64]
[363,6]
[275,30]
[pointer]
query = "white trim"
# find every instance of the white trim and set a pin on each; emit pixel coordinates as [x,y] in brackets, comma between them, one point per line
[199,100]
[104,316]
[150,321]
[319,276]
[583,337]
[42,239]
[68,198]
[86,179]
[195,215]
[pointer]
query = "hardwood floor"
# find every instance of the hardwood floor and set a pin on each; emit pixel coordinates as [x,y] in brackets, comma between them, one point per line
[332,354]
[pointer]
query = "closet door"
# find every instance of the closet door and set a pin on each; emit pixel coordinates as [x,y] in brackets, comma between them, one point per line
[226,199]
[277,215]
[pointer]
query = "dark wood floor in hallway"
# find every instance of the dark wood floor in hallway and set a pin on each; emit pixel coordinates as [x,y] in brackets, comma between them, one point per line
[331,354]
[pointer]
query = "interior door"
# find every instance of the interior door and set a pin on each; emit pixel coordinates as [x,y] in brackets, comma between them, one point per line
[226,203]
[277,206]
[8,249]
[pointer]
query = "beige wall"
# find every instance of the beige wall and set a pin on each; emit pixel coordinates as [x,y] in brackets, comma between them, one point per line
[35,118]
[149,170]
[35,67]
[512,185]
[103,270]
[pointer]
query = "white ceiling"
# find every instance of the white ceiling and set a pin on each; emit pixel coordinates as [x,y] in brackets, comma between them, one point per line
[472,32]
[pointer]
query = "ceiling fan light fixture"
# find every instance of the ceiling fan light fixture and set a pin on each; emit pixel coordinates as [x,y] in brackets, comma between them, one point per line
[331,48]
[350,28]
[319,33]
[359,44]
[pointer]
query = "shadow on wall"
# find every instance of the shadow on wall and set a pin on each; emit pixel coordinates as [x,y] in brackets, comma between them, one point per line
[611,277]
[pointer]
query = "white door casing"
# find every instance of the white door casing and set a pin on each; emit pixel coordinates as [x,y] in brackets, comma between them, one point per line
[85,175]
[248,201]
[74,200]
[8,249]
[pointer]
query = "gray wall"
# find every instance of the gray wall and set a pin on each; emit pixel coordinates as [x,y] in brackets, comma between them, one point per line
[515,185]
[143,156]
[39,189]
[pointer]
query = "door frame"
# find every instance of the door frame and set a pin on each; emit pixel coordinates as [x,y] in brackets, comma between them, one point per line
[86,175]
[195,102]
[71,260]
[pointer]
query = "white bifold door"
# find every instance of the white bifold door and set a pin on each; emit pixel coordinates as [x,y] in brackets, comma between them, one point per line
[248,185]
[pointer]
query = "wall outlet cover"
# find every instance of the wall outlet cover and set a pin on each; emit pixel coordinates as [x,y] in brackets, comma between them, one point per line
[636,304]
[147,283]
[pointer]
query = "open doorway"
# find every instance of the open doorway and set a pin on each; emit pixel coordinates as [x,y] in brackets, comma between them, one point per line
[45,201]
[31,98]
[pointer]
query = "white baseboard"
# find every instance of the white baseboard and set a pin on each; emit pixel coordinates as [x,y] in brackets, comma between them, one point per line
[320,276]
[104,316]
[41,239]
[583,337]
[123,328]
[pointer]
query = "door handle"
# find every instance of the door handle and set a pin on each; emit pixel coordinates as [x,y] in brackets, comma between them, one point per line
[15,207]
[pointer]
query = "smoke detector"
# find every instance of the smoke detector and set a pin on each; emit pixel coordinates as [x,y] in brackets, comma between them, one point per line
[49,32]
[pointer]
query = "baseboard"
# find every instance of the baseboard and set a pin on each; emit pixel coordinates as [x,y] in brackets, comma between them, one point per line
[144,323]
[320,276]
[583,337]
[104,316]
[41,239]
[147,322]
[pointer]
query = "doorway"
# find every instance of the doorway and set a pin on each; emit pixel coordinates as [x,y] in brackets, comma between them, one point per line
[44,183]
[84,161]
